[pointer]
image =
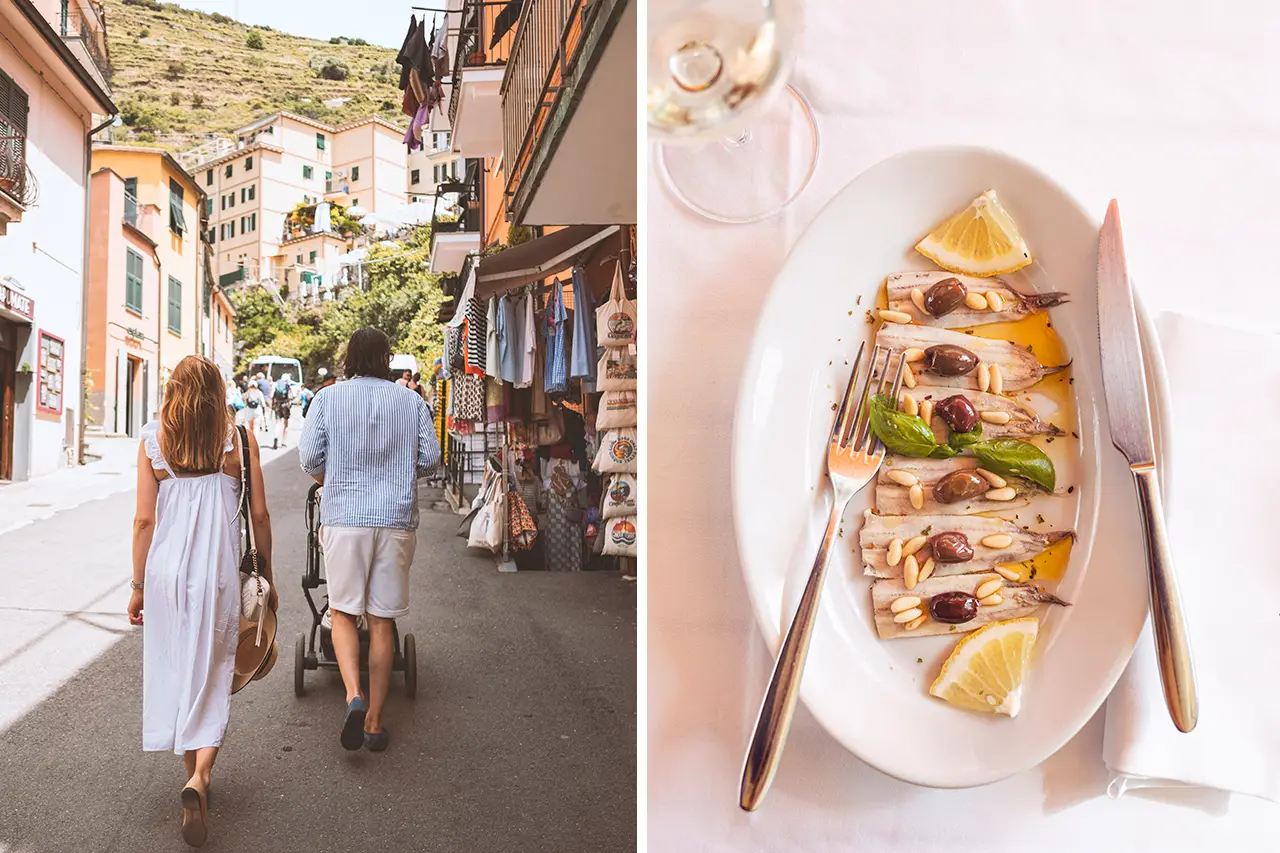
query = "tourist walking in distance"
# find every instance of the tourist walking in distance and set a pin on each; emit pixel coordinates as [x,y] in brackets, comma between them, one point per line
[281,406]
[367,441]
[186,578]
[255,407]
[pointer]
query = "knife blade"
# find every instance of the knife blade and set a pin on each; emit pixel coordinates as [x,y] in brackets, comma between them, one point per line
[1123,373]
[1125,388]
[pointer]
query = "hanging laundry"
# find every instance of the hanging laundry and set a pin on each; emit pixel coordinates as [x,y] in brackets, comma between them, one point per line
[508,329]
[477,334]
[440,53]
[403,57]
[505,21]
[528,338]
[492,355]
[468,398]
[553,319]
[582,364]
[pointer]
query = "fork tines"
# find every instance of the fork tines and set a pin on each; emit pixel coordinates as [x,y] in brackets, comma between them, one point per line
[857,423]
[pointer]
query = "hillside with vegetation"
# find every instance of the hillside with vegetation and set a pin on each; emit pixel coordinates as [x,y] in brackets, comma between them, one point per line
[182,77]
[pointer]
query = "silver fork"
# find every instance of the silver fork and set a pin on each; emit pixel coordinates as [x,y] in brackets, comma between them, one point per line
[854,455]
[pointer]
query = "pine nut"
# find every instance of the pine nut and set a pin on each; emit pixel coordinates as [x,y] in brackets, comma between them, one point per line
[904,602]
[927,569]
[914,544]
[895,553]
[994,302]
[903,478]
[913,355]
[926,411]
[908,404]
[997,540]
[910,572]
[917,496]
[991,600]
[989,588]
[997,380]
[976,301]
[996,481]
[908,615]
[984,377]
[993,417]
[1007,573]
[915,623]
[917,298]
[1005,494]
[894,316]
[908,376]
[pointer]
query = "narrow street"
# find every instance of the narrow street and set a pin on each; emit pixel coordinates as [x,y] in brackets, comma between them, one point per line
[521,738]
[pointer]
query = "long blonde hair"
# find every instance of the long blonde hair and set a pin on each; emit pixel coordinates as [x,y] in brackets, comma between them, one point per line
[195,417]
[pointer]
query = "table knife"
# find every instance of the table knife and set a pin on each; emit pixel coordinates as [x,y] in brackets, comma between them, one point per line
[1124,383]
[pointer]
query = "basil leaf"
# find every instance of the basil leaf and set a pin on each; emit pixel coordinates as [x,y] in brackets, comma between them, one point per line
[904,434]
[961,440]
[1012,458]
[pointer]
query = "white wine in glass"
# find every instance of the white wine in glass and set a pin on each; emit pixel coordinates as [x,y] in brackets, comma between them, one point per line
[730,145]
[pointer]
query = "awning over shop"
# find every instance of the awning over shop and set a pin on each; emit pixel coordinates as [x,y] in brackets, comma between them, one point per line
[537,259]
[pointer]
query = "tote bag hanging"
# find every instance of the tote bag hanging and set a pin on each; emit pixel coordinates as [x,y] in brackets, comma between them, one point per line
[617,409]
[620,537]
[618,452]
[616,319]
[616,371]
[620,497]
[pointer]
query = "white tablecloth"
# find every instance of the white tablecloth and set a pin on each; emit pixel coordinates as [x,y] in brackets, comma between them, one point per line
[1174,114]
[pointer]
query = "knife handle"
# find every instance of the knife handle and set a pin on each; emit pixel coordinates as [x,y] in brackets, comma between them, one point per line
[1173,650]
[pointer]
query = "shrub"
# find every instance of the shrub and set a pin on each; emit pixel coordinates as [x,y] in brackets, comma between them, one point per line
[197,101]
[334,69]
[336,40]
[358,42]
[254,41]
[143,33]
[153,5]
[176,70]
[217,16]
[386,105]
[176,99]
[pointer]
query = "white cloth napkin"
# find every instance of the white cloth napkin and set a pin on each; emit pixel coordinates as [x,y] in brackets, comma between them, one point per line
[1223,517]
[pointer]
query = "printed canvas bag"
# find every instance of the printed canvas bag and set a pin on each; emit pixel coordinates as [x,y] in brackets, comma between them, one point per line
[616,371]
[620,496]
[616,319]
[618,452]
[617,409]
[620,537]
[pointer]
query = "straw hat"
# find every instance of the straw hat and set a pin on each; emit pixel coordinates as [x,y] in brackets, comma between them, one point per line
[255,659]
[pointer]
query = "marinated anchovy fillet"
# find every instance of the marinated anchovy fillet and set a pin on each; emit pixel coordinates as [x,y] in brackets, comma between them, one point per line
[1023,422]
[1016,599]
[894,498]
[1018,368]
[1014,305]
[879,531]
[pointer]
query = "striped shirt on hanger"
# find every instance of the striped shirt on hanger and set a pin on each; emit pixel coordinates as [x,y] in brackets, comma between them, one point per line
[371,439]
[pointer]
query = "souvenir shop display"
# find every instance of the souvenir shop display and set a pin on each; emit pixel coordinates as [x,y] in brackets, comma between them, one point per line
[618,452]
[620,496]
[616,319]
[617,409]
[616,418]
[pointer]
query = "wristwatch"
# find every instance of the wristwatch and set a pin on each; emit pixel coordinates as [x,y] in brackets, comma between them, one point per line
[135,585]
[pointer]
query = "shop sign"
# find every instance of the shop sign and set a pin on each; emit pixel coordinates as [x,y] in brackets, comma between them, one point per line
[17,302]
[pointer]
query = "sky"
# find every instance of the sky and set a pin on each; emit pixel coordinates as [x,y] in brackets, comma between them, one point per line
[381,22]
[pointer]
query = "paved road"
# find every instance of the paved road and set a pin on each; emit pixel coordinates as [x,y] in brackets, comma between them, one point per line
[521,738]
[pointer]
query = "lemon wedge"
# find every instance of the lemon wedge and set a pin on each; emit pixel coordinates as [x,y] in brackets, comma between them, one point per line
[985,670]
[980,240]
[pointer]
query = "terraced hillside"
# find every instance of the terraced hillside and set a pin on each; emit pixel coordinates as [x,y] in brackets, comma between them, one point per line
[181,77]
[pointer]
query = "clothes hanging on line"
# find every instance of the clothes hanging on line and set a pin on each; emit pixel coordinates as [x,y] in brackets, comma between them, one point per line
[477,336]
[553,331]
[583,360]
[492,353]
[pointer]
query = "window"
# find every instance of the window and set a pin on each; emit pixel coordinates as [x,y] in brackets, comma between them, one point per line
[224,202]
[253,222]
[230,167]
[313,258]
[231,228]
[253,191]
[213,236]
[307,173]
[177,222]
[320,141]
[131,201]
[244,220]
[208,207]
[355,173]
[208,178]
[435,174]
[248,164]
[133,282]
[244,194]
[415,176]
[453,170]
[299,259]
[175,306]
[355,202]
[13,124]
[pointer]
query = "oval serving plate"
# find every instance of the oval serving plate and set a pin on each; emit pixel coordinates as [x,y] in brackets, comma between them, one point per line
[872,695]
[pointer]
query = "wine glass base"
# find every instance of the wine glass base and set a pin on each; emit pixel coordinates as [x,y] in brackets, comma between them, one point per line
[752,175]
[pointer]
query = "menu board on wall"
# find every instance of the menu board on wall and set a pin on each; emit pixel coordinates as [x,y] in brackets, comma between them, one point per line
[51,350]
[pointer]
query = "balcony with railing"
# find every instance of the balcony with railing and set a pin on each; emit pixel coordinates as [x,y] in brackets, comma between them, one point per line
[455,221]
[18,187]
[569,90]
[80,24]
[143,218]
[485,35]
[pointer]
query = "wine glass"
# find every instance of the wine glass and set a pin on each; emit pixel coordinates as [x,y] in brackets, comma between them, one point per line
[735,143]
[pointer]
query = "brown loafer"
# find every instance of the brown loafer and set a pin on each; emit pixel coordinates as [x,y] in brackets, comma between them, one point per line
[195,817]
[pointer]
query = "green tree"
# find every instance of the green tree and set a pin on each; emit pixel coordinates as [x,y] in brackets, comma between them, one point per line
[258,320]
[254,40]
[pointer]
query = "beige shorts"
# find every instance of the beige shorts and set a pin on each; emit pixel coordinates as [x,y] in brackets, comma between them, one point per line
[367,569]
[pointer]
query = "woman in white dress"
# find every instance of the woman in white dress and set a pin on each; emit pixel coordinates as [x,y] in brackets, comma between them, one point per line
[186,579]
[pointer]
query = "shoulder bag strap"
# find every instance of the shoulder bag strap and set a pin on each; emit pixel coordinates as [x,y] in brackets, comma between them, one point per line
[242,439]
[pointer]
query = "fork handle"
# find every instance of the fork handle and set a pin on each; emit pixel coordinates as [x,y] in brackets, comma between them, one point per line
[779,705]
[1173,651]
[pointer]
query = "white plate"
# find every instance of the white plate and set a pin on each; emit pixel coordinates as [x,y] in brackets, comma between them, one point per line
[872,695]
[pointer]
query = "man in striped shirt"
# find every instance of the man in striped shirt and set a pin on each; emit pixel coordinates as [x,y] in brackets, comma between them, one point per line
[367,441]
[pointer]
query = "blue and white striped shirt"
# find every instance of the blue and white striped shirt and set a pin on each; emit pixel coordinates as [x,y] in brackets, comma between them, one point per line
[371,439]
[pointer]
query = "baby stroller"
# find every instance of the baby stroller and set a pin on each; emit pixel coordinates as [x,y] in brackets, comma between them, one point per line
[305,655]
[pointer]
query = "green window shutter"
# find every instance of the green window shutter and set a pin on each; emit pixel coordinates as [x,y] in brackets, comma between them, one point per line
[175,306]
[177,222]
[307,172]
[320,141]
[131,201]
[313,257]
[355,173]
[248,164]
[253,191]
[133,281]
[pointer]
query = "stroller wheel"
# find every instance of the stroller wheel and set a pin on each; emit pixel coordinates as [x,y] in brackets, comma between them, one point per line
[299,664]
[410,666]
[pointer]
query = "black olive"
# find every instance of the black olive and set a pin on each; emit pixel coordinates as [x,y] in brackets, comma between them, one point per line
[953,607]
[960,486]
[951,547]
[950,360]
[958,412]
[944,297]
